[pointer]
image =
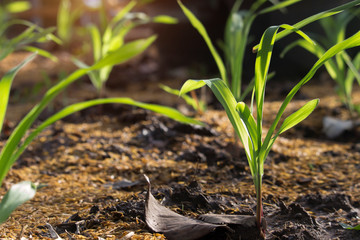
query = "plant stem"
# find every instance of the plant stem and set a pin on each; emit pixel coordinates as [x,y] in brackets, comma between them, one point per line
[259,207]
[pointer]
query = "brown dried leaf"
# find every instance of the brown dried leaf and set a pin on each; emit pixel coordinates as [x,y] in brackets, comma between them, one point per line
[174,226]
[242,220]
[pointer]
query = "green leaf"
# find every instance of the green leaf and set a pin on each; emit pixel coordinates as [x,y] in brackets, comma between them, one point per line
[278,6]
[249,121]
[298,116]
[191,85]
[41,52]
[201,29]
[5,86]
[18,6]
[17,195]
[346,226]
[165,19]
[96,42]
[123,12]
[124,53]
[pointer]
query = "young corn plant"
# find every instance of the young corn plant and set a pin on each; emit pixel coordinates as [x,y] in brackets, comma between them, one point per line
[247,123]
[17,143]
[32,33]
[236,36]
[113,38]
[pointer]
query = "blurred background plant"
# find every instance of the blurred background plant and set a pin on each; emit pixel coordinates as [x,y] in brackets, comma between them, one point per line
[343,69]
[236,39]
[112,38]
[32,33]
[66,18]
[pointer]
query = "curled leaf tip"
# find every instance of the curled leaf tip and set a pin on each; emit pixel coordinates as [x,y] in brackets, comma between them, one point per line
[240,106]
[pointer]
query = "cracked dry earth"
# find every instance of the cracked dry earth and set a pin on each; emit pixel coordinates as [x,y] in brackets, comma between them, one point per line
[93,162]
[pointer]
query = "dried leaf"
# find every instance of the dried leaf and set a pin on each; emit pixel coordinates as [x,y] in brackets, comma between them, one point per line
[174,226]
[243,220]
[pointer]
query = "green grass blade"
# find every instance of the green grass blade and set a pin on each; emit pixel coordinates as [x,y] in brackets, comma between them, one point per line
[17,195]
[249,121]
[96,42]
[123,12]
[41,52]
[201,29]
[76,107]
[278,6]
[262,64]
[314,18]
[353,71]
[298,116]
[63,20]
[5,87]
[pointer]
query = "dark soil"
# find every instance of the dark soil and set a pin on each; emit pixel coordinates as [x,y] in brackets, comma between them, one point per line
[93,164]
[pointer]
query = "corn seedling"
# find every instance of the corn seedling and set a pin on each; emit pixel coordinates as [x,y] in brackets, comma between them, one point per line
[236,36]
[248,124]
[15,144]
[344,70]
[113,39]
[32,34]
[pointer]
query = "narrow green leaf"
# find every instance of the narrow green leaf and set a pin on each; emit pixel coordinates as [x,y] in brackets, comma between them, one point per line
[191,85]
[96,42]
[262,64]
[123,12]
[298,116]
[249,121]
[301,33]
[278,6]
[17,195]
[5,86]
[41,52]
[124,53]
[18,6]
[164,19]
[201,29]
